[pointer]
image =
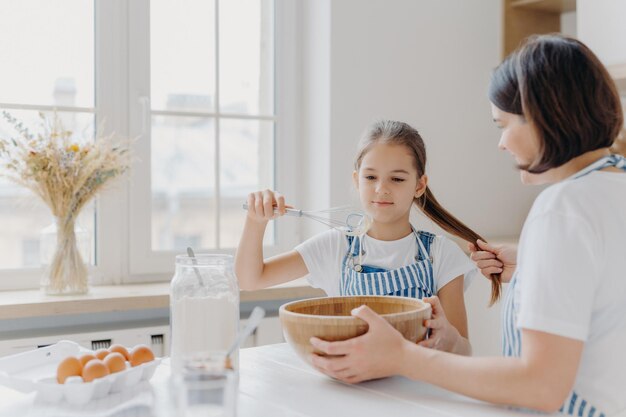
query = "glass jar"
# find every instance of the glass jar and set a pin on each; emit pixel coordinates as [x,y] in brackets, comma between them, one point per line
[205,386]
[204,307]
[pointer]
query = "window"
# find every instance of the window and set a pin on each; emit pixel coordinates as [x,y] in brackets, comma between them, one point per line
[193,83]
[41,74]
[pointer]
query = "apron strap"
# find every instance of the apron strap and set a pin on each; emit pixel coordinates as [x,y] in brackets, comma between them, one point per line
[421,248]
[617,161]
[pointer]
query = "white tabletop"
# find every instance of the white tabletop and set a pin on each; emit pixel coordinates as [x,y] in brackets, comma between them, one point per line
[275,382]
[274,378]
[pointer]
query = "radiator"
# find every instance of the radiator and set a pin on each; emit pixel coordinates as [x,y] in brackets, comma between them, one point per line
[157,337]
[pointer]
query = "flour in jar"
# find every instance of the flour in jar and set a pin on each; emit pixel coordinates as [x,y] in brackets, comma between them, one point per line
[201,324]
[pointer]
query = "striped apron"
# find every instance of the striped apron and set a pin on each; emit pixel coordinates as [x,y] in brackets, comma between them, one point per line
[574,404]
[415,280]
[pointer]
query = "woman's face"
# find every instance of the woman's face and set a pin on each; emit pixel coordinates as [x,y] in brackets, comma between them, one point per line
[387,182]
[519,139]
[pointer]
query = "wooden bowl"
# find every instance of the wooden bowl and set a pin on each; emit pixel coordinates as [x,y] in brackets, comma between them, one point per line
[329,318]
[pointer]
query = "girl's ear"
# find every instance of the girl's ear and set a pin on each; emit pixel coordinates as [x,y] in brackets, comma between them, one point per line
[355,179]
[422,183]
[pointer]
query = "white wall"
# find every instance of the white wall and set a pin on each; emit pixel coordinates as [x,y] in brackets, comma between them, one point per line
[601,26]
[427,63]
[316,170]
[568,24]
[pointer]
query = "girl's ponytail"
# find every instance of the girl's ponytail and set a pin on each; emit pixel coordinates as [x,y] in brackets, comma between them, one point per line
[442,217]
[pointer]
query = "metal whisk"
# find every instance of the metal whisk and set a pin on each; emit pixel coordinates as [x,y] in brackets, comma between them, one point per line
[355,223]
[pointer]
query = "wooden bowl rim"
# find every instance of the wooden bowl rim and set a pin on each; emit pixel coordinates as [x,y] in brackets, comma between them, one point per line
[282,311]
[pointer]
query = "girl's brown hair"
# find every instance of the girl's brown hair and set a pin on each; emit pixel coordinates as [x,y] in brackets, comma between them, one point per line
[558,85]
[398,133]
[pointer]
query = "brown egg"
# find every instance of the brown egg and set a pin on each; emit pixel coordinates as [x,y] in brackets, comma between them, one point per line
[141,354]
[94,369]
[115,362]
[120,349]
[101,353]
[86,358]
[69,366]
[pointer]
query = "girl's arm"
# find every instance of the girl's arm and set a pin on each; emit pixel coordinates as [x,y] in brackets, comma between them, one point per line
[540,379]
[253,272]
[449,320]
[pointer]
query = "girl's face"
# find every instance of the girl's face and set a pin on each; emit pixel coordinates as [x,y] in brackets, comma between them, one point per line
[519,139]
[387,183]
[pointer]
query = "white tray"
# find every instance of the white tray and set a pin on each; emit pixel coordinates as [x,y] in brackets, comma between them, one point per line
[35,370]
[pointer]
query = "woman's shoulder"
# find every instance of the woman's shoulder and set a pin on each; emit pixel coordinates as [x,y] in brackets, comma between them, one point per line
[577,196]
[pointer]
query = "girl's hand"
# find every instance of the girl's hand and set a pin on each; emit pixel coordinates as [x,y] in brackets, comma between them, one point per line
[265,205]
[444,336]
[376,354]
[492,259]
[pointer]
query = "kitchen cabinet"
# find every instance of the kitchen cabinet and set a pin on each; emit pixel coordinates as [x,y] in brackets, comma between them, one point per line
[523,18]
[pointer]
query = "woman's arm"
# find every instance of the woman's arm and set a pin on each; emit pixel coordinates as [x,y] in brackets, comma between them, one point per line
[540,379]
[448,323]
[253,272]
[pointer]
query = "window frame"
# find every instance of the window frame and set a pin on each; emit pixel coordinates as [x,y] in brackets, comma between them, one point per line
[144,264]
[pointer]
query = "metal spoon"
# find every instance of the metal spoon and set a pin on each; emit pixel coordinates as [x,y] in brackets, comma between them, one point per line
[194,261]
[253,322]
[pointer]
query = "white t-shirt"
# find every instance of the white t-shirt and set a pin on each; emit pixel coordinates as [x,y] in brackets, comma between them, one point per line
[572,279]
[323,255]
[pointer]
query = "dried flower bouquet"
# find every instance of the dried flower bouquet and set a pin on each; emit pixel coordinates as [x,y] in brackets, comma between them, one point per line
[66,174]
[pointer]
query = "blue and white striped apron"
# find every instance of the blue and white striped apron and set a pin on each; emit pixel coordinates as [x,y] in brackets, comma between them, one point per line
[415,280]
[574,404]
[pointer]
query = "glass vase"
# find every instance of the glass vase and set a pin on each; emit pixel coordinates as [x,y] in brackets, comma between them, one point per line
[64,251]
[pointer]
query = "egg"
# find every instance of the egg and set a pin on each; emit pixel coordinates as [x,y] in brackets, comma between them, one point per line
[94,369]
[101,353]
[115,362]
[120,349]
[141,354]
[68,367]
[86,358]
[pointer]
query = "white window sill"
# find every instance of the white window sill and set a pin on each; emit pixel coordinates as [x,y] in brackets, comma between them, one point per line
[110,298]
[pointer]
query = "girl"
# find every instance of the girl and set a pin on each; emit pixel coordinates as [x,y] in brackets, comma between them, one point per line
[564,314]
[392,258]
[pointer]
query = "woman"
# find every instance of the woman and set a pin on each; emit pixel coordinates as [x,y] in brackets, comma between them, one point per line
[564,316]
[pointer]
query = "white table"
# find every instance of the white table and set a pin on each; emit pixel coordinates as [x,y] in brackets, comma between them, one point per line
[275,382]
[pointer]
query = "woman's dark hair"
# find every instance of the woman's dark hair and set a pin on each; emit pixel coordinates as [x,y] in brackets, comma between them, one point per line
[559,86]
[399,133]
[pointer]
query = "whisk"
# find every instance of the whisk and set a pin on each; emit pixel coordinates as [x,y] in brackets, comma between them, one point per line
[356,223]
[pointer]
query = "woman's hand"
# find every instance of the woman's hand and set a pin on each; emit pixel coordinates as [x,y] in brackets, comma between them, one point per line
[376,354]
[265,205]
[444,336]
[492,259]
